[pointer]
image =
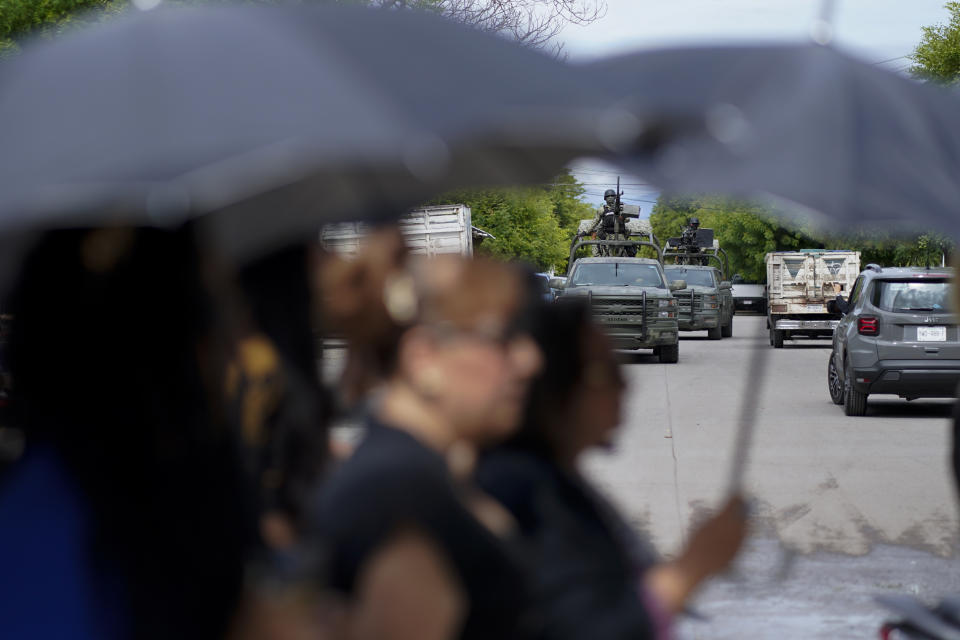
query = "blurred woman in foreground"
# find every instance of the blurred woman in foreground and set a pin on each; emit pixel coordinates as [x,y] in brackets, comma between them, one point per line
[412,545]
[593,578]
[126,515]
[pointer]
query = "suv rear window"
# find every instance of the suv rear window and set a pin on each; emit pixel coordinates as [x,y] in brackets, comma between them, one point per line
[911,295]
[693,277]
[617,274]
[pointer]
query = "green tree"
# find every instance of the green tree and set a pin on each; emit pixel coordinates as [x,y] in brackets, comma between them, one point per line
[521,219]
[746,231]
[534,224]
[20,19]
[566,193]
[937,57]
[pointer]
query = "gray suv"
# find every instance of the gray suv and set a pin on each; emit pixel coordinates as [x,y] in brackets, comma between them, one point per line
[898,335]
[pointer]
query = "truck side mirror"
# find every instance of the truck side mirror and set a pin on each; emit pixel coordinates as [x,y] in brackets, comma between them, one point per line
[557,283]
[726,284]
[678,285]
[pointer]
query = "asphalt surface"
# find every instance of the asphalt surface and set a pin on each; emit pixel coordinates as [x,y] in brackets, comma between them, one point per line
[843,508]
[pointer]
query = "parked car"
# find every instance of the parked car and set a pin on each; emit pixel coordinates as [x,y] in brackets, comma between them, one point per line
[750,297]
[898,335]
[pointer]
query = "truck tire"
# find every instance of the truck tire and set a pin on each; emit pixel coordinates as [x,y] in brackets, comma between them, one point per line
[834,382]
[776,338]
[727,329]
[669,354]
[715,333]
[854,402]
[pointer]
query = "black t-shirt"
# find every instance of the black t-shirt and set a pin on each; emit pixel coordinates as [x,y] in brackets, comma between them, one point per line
[393,481]
[585,562]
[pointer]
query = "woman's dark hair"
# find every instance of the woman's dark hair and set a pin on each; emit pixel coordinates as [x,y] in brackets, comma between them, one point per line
[560,330]
[114,365]
[288,466]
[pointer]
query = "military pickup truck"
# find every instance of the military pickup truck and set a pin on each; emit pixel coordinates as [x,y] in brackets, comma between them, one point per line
[706,303]
[630,297]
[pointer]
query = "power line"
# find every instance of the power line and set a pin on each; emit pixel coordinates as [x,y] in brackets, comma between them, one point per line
[892,59]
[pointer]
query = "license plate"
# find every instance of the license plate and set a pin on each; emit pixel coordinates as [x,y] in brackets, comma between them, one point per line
[613,319]
[931,334]
[748,302]
[815,307]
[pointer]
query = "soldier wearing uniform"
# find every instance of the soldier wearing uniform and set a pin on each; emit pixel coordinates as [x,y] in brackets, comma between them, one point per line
[688,241]
[610,222]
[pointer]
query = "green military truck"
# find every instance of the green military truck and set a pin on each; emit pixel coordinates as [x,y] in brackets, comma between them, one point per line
[706,303]
[630,297]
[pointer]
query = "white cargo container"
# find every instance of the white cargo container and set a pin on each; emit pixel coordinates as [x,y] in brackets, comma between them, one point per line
[428,231]
[799,286]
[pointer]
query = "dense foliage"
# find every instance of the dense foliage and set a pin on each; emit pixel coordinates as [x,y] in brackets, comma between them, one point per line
[937,57]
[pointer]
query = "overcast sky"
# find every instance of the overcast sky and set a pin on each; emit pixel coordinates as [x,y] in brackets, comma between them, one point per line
[875,30]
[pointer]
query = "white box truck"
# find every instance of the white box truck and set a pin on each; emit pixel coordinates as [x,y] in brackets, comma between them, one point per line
[428,231]
[799,286]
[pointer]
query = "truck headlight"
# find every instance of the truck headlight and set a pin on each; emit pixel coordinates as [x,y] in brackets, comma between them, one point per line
[668,302]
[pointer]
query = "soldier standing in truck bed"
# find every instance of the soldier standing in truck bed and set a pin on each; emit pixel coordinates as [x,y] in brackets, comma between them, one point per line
[609,219]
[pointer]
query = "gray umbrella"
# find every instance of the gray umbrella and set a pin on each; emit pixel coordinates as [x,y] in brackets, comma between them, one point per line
[805,123]
[274,119]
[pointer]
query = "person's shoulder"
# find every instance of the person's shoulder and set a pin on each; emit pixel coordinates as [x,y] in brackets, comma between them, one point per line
[385,467]
[516,465]
[516,479]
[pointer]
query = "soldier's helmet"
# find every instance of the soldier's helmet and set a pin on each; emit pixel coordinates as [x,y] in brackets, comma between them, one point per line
[694,222]
[608,193]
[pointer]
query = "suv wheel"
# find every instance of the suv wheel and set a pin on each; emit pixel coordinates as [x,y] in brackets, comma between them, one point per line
[834,382]
[776,338]
[727,330]
[669,354]
[715,333]
[854,402]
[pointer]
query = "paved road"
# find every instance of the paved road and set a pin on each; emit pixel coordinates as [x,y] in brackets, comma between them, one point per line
[844,507]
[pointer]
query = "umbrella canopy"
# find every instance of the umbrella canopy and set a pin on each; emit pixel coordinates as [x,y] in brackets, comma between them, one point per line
[275,119]
[804,123]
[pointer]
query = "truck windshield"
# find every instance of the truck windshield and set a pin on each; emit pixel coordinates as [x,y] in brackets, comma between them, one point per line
[912,295]
[614,274]
[694,277]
